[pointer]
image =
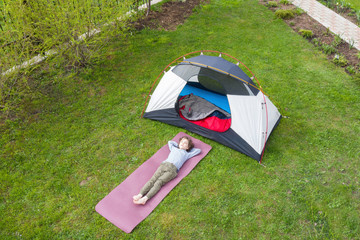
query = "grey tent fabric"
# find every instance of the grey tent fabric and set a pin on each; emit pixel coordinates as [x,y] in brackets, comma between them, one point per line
[197,108]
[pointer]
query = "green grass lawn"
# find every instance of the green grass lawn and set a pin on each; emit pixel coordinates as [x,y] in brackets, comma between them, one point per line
[354,4]
[89,137]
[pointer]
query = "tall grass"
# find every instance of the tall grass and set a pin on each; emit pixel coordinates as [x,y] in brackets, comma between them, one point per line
[33,28]
[88,138]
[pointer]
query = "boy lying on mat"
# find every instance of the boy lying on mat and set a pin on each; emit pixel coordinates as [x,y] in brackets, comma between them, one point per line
[168,169]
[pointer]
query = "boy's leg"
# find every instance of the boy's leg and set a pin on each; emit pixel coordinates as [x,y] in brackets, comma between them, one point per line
[146,188]
[167,176]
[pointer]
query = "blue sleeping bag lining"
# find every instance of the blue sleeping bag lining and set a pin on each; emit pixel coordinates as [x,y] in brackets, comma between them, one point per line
[219,100]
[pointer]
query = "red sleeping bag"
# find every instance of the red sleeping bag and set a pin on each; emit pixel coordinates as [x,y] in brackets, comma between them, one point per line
[216,121]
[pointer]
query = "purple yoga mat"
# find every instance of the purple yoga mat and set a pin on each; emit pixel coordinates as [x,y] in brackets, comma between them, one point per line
[118,206]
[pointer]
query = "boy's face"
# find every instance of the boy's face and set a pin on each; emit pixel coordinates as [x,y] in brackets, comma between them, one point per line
[184,144]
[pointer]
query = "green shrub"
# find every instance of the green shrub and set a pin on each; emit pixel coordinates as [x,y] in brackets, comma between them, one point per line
[316,42]
[306,33]
[272,4]
[327,32]
[298,11]
[344,4]
[340,60]
[351,70]
[328,49]
[285,2]
[337,40]
[284,14]
[357,14]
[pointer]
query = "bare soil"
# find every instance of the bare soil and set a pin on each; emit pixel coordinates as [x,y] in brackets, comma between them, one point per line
[169,17]
[176,12]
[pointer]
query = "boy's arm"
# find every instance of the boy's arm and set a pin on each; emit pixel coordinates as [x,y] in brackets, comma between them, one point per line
[172,144]
[194,152]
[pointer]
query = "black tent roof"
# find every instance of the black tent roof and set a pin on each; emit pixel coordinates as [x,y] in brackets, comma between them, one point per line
[223,66]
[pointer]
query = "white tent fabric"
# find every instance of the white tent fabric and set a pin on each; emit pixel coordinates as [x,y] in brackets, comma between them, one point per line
[166,93]
[273,115]
[248,115]
[246,118]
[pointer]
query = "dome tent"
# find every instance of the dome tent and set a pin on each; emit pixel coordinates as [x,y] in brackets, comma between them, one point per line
[215,98]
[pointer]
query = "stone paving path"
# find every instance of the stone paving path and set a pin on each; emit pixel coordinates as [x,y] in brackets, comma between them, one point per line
[337,24]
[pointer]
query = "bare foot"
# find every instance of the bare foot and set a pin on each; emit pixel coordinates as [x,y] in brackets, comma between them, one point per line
[137,197]
[141,201]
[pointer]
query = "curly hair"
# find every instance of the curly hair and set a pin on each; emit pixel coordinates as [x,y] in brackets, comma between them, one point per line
[190,142]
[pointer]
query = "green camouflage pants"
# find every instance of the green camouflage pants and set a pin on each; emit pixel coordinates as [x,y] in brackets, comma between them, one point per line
[165,172]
